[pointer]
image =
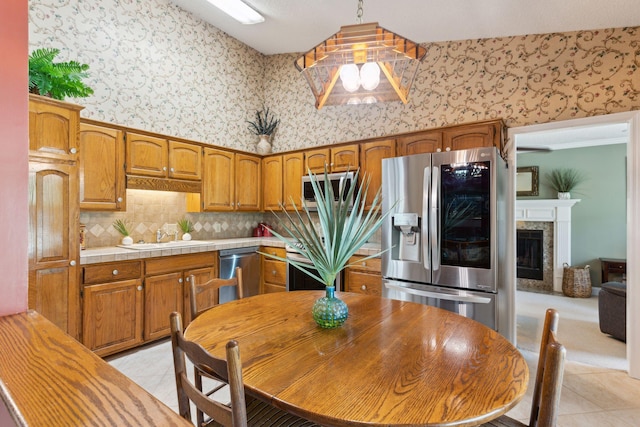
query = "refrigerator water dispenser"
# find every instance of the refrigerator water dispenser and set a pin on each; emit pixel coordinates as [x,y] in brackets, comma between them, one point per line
[407,228]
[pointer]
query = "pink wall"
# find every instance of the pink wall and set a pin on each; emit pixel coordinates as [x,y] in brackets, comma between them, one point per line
[14,136]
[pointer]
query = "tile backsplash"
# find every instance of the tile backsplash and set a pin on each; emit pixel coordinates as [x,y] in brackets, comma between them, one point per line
[147,211]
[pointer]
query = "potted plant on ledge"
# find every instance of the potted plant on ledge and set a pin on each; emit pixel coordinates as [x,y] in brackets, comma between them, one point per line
[56,79]
[342,232]
[264,126]
[563,181]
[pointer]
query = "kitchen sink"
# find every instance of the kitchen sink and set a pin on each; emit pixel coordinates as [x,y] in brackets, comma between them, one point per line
[164,245]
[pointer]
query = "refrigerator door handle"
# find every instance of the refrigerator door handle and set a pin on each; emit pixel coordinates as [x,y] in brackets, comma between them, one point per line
[468,299]
[426,225]
[434,218]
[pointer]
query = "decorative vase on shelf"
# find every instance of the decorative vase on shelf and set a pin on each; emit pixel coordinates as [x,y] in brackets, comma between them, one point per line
[127,240]
[186,236]
[264,145]
[329,311]
[564,195]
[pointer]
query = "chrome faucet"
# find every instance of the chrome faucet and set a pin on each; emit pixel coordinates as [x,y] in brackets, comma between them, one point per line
[159,235]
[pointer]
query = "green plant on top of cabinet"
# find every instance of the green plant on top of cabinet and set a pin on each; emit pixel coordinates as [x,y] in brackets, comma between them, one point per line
[102,181]
[162,158]
[231,181]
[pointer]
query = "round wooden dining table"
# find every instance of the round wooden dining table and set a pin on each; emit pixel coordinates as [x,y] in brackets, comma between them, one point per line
[392,363]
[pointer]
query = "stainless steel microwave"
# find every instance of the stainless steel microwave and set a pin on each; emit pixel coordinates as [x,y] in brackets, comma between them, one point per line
[335,180]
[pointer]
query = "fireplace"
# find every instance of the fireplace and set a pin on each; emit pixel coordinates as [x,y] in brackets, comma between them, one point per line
[530,254]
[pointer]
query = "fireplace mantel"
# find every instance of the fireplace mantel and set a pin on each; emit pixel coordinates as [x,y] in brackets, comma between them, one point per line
[556,211]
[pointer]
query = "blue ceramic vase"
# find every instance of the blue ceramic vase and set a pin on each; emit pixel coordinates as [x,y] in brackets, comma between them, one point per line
[329,311]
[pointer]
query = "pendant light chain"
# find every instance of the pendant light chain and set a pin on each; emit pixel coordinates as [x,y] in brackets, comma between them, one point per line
[360,12]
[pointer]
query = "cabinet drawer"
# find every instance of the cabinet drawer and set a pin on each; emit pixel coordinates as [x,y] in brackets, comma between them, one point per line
[103,273]
[275,272]
[364,283]
[281,252]
[371,264]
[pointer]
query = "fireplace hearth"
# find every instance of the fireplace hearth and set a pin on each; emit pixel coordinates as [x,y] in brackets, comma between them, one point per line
[530,254]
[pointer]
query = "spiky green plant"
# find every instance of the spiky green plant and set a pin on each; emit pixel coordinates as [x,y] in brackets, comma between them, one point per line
[56,79]
[121,227]
[264,123]
[564,180]
[185,225]
[343,230]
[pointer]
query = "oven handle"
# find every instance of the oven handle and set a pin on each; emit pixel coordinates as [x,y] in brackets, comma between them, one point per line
[298,257]
[449,296]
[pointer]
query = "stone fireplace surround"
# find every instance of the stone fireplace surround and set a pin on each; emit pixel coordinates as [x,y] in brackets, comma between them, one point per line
[557,212]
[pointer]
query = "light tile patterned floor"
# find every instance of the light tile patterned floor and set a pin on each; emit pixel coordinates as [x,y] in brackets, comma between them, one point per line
[591,396]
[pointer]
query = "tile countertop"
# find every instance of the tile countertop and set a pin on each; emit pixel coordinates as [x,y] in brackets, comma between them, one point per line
[116,253]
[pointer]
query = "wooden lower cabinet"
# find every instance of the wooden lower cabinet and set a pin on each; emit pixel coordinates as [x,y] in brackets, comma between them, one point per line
[112,317]
[364,276]
[274,272]
[201,275]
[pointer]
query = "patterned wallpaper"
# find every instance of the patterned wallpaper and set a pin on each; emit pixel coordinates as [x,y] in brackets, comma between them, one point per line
[158,68]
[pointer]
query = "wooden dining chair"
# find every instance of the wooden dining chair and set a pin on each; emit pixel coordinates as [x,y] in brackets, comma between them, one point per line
[203,296]
[243,410]
[548,384]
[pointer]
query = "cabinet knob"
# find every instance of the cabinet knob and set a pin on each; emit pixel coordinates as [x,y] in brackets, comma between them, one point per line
[273,272]
[119,199]
[448,149]
[363,287]
[115,272]
[73,150]
[172,170]
[364,263]
[139,288]
[238,204]
[187,279]
[72,262]
[180,280]
[438,150]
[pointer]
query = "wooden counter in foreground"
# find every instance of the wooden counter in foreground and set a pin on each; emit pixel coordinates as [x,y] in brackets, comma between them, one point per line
[48,379]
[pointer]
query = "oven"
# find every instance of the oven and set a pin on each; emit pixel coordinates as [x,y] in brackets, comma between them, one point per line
[300,281]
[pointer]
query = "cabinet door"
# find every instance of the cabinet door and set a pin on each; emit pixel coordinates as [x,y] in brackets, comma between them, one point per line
[162,295]
[112,316]
[344,158]
[218,187]
[201,275]
[248,179]
[53,243]
[363,276]
[274,272]
[293,169]
[315,160]
[472,136]
[272,182]
[53,128]
[101,168]
[423,142]
[185,161]
[146,155]
[371,155]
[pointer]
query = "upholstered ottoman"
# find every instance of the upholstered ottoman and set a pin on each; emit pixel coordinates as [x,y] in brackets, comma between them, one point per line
[612,309]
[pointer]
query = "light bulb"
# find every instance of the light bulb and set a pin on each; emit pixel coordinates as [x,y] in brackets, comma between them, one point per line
[369,99]
[370,75]
[353,101]
[350,77]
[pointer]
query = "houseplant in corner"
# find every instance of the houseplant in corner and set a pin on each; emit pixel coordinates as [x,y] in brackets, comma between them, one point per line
[563,181]
[56,79]
[264,126]
[122,228]
[342,232]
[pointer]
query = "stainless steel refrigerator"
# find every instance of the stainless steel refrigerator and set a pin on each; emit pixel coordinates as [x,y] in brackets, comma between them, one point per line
[447,234]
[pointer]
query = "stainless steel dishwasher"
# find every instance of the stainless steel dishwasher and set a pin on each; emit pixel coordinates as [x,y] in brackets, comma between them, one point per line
[249,261]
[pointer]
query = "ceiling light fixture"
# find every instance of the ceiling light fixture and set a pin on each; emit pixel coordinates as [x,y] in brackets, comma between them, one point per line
[238,10]
[373,64]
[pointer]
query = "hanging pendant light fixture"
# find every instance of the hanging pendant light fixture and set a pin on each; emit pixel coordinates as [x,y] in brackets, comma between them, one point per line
[361,64]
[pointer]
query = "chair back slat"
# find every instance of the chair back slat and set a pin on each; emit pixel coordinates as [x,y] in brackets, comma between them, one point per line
[203,296]
[549,375]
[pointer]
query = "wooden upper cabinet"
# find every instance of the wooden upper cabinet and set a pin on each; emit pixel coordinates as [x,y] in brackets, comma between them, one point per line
[462,137]
[344,158]
[185,161]
[147,155]
[218,189]
[248,179]
[371,155]
[337,159]
[53,128]
[292,171]
[101,168]
[421,142]
[272,175]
